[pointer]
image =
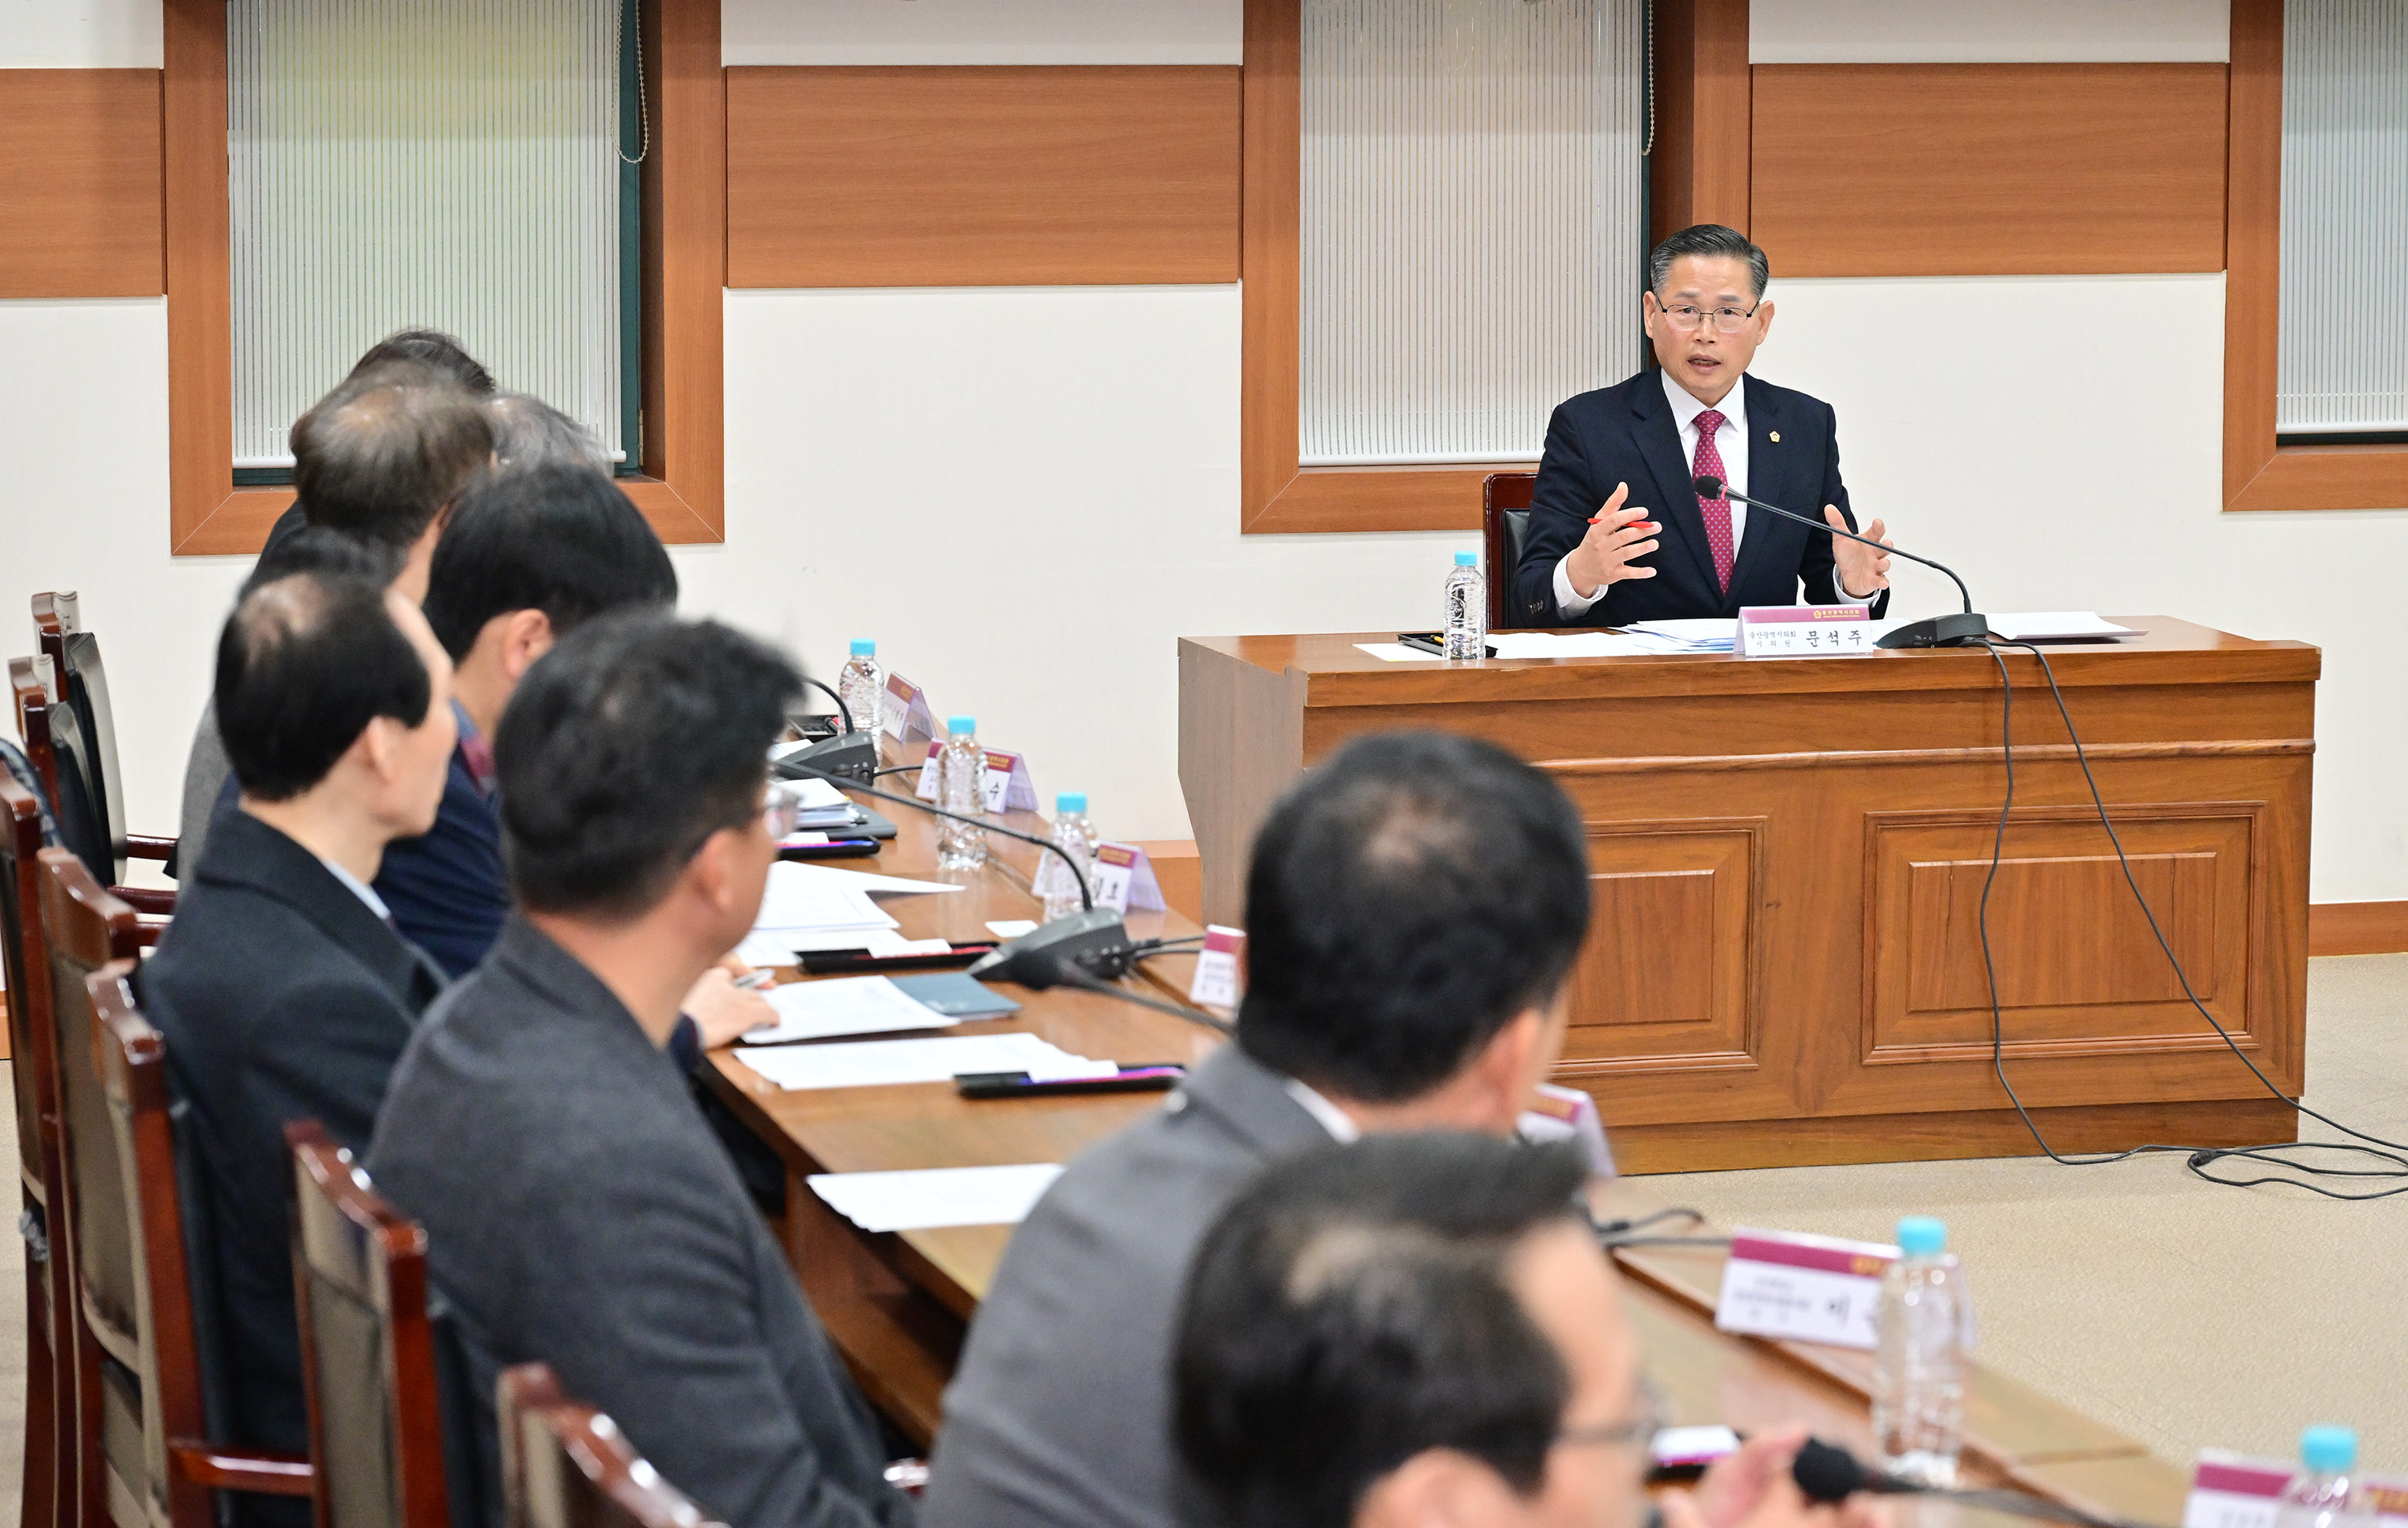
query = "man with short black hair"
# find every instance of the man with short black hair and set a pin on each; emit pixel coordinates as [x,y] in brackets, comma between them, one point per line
[1421,1332]
[379,458]
[281,987]
[527,557]
[1594,555]
[577,1209]
[1414,909]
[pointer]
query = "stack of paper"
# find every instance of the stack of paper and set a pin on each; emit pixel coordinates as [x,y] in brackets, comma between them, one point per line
[928,1197]
[1700,636]
[820,805]
[876,1064]
[819,907]
[817,1010]
[2059,626]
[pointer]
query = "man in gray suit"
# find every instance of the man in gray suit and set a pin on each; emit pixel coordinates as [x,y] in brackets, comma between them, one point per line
[578,1208]
[1413,910]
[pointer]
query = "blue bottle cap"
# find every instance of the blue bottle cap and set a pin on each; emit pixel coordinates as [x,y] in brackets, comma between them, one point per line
[864,647]
[1071,800]
[2329,1449]
[1466,559]
[1920,1235]
[961,726]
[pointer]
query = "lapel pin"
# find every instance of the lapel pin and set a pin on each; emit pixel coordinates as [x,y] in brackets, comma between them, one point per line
[1776,437]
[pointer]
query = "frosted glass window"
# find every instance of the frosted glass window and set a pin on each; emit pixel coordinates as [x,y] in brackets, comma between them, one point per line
[1470,237]
[2342,364]
[451,163]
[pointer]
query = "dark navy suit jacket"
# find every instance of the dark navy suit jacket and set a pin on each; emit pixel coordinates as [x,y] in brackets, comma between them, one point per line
[1626,434]
[445,887]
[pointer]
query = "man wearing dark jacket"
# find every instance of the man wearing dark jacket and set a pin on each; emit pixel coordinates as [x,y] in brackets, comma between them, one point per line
[281,987]
[579,1211]
[1618,533]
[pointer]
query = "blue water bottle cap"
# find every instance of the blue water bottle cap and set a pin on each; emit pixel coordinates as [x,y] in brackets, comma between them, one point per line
[1071,800]
[961,726]
[1466,559]
[1920,1235]
[864,647]
[2329,1450]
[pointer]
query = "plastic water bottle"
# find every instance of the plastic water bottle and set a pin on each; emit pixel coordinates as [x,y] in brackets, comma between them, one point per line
[1467,608]
[1074,835]
[2324,1494]
[1919,1384]
[862,686]
[961,780]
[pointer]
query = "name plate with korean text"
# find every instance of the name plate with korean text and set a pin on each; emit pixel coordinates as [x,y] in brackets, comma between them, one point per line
[1804,1288]
[1807,631]
[1122,879]
[1215,983]
[2237,1491]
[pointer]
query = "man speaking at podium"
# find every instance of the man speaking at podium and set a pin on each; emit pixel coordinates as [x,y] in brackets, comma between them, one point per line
[1618,533]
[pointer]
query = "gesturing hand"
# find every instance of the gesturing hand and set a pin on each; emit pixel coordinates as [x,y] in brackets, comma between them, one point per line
[1616,538]
[1863,571]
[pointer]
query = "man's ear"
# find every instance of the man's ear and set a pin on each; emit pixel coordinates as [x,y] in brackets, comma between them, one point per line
[1437,1487]
[376,750]
[526,635]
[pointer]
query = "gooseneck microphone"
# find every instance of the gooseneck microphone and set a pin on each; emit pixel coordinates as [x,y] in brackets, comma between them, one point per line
[1936,632]
[1826,1473]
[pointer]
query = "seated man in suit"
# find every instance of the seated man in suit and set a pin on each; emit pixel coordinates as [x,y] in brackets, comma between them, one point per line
[379,458]
[577,1209]
[281,987]
[1413,910]
[1421,1332]
[1617,532]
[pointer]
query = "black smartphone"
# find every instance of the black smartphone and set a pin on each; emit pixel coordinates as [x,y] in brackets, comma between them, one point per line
[1436,642]
[1158,1077]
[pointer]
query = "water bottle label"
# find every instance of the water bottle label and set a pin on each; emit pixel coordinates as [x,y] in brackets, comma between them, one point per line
[1123,879]
[1215,985]
[1804,1288]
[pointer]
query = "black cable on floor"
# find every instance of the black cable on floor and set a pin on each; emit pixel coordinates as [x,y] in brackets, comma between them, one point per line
[2393,1155]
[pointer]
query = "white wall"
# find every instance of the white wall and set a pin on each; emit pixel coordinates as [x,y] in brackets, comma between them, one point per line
[1986,31]
[81,35]
[980,31]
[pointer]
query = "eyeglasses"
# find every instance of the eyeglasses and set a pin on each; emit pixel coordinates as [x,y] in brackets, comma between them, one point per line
[783,810]
[1681,316]
[1640,1427]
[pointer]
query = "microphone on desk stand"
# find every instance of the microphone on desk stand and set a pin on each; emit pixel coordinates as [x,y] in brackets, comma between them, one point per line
[1082,950]
[1935,632]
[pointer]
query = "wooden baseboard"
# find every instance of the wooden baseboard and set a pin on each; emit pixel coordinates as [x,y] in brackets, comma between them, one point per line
[2358,928]
[1944,1135]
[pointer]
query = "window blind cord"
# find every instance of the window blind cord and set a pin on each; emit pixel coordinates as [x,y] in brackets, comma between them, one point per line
[1648,149]
[643,107]
[2200,1158]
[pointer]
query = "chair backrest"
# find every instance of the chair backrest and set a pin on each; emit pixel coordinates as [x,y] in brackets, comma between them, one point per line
[566,1466]
[368,1349]
[86,928]
[1504,525]
[29,699]
[25,964]
[80,682]
[56,744]
[130,1061]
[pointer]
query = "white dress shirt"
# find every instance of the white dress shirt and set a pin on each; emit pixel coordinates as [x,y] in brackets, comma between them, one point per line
[360,889]
[1336,1121]
[1731,439]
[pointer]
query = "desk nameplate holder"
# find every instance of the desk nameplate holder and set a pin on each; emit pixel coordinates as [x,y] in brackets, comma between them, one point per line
[1807,631]
[2237,1491]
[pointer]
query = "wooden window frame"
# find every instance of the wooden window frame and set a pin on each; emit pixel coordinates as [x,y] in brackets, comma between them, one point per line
[683,450]
[1702,108]
[2259,473]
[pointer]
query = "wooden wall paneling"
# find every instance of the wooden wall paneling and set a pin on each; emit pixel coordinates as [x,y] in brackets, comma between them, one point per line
[1670,972]
[2259,473]
[974,176]
[1699,170]
[79,176]
[1989,169]
[2358,928]
[684,446]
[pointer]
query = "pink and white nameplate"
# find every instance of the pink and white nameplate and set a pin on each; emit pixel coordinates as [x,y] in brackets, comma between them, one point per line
[1804,1288]
[1806,631]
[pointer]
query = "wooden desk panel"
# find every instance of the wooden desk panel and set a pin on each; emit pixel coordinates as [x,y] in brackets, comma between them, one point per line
[1789,859]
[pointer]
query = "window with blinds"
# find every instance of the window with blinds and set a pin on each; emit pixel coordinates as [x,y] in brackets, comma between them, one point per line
[1471,228]
[449,163]
[2341,361]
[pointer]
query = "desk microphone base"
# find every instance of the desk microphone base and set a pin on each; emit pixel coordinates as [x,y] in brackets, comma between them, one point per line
[1956,631]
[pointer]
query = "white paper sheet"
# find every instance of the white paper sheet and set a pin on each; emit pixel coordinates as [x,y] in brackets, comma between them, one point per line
[2057,626]
[888,942]
[1397,652]
[819,1011]
[1702,629]
[1573,644]
[859,881]
[804,903]
[766,949]
[876,1064]
[928,1197]
[1009,928]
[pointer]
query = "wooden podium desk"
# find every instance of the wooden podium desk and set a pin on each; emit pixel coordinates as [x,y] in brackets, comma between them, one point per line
[897,1306]
[1788,858]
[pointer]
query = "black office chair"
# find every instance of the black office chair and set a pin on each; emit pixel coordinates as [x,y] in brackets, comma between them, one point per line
[1505,526]
[91,798]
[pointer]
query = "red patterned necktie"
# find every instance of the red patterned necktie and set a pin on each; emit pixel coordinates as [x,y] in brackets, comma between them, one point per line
[1716,509]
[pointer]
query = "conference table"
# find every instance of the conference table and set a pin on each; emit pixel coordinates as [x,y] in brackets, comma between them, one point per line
[1790,861]
[896,1305]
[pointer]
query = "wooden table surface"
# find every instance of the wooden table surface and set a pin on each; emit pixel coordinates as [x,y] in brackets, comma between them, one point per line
[896,1305]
